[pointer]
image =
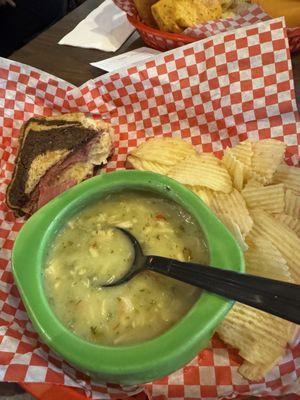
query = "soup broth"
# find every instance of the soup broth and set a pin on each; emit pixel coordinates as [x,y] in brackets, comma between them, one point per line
[89,252]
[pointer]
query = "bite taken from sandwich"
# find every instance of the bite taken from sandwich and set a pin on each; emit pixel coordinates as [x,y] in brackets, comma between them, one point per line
[56,153]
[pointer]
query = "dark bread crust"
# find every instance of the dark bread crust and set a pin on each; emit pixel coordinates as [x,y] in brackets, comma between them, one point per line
[59,134]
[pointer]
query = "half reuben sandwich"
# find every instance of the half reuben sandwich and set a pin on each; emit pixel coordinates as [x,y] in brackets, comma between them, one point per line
[56,153]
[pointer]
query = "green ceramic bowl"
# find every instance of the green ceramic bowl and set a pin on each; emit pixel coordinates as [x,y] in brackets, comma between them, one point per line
[125,364]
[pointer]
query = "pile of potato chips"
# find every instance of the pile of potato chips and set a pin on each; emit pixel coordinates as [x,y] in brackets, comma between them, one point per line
[257,196]
[177,15]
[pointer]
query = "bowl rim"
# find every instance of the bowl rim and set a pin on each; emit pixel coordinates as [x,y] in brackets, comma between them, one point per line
[166,35]
[120,364]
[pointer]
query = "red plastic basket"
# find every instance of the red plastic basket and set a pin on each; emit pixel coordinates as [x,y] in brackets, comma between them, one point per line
[166,41]
[157,39]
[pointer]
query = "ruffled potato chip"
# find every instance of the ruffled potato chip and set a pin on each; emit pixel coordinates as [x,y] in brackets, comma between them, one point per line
[234,229]
[197,171]
[164,150]
[205,194]
[267,156]
[209,158]
[289,176]
[244,153]
[255,176]
[282,237]
[292,203]
[264,259]
[269,198]
[253,183]
[233,205]
[145,165]
[260,337]
[289,221]
[255,372]
[235,168]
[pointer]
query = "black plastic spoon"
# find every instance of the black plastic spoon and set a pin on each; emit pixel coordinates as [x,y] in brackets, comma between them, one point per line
[275,297]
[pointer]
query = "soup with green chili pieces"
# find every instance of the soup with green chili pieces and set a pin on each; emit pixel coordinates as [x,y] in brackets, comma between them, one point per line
[89,252]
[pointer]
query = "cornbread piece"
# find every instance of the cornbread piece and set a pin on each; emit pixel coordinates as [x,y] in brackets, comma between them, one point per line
[175,16]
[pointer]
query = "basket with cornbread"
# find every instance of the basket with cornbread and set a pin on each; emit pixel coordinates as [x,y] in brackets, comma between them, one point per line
[167,24]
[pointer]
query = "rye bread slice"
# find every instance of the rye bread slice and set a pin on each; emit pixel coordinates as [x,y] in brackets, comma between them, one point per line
[44,142]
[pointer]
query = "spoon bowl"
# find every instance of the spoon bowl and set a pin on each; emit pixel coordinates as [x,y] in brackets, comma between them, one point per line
[137,265]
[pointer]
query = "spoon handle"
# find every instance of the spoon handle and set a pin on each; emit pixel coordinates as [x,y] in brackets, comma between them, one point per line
[275,297]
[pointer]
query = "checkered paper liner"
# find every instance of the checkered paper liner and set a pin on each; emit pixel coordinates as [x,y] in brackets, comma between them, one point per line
[213,93]
[246,15]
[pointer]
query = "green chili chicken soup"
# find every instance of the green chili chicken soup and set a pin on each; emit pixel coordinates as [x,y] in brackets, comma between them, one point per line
[89,252]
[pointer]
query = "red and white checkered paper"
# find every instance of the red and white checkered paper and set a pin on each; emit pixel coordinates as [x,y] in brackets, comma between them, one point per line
[246,15]
[213,93]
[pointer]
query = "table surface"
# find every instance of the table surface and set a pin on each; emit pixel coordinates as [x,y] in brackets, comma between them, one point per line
[72,63]
[67,62]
